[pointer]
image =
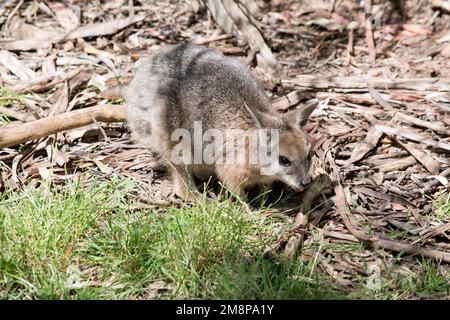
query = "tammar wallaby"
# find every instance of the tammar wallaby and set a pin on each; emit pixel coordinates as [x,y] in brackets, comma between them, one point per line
[187,92]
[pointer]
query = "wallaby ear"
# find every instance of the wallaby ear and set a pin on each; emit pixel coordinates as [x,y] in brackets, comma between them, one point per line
[267,120]
[299,117]
[263,119]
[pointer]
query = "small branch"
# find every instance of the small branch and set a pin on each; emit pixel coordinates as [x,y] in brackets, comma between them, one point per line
[14,134]
[369,34]
[350,45]
[213,38]
[359,84]
[397,246]
[400,164]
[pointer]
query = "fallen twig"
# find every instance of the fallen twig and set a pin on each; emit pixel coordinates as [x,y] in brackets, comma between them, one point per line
[399,164]
[359,83]
[104,28]
[11,135]
[379,241]
[369,33]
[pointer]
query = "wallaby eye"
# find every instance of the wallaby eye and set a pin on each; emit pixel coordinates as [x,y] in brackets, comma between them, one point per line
[284,161]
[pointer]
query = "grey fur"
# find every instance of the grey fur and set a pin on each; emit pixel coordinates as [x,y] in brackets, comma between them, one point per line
[184,83]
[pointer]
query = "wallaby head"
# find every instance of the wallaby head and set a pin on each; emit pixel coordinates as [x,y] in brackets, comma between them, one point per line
[295,147]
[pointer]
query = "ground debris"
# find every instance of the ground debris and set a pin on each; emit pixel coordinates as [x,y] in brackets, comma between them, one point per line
[382,118]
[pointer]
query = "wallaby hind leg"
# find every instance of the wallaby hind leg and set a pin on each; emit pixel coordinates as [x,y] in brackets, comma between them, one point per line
[183,184]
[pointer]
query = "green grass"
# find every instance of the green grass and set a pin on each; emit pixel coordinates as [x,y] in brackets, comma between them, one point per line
[442,208]
[79,242]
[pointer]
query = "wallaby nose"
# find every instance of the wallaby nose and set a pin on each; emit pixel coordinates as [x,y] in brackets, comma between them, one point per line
[304,182]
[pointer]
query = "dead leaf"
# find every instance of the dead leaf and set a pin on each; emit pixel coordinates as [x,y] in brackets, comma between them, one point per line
[56,155]
[62,101]
[103,167]
[328,24]
[301,221]
[429,163]
[405,97]
[24,45]
[25,31]
[416,29]
[364,147]
[443,180]
[291,248]
[104,28]
[398,207]
[10,61]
